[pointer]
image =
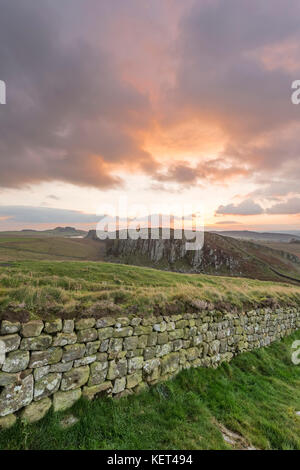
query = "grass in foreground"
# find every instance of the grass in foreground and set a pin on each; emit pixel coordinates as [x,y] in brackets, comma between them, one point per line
[256,395]
[52,287]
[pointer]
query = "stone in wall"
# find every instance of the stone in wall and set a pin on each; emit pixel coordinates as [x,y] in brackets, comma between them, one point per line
[46,386]
[46,357]
[16,396]
[98,373]
[75,378]
[62,339]
[117,369]
[53,326]
[72,352]
[36,343]
[16,361]
[8,328]
[64,400]
[36,410]
[11,342]
[97,390]
[68,326]
[32,328]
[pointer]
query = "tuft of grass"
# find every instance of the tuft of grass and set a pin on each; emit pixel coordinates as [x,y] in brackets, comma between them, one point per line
[256,395]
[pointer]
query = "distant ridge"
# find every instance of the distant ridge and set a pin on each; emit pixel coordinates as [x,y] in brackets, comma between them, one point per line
[258,236]
[67,230]
[53,232]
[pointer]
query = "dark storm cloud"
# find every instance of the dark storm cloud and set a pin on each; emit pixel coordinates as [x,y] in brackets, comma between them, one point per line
[69,115]
[211,170]
[220,71]
[237,61]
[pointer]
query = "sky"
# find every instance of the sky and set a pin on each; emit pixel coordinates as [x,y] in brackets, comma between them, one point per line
[163,103]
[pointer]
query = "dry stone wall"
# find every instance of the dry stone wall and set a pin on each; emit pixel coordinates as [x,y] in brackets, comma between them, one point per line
[44,364]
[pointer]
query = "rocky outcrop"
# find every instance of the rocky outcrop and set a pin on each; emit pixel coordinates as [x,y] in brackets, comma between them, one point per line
[219,255]
[92,235]
[173,254]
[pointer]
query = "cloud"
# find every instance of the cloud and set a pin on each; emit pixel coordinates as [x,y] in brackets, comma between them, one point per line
[274,190]
[211,170]
[45,215]
[292,206]
[94,88]
[69,115]
[226,222]
[247,207]
[225,80]
[217,71]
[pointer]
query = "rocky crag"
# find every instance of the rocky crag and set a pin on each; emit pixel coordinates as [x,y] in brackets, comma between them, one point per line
[219,255]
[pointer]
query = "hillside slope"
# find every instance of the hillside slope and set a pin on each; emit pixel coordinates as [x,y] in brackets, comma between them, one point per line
[259,236]
[75,288]
[220,255]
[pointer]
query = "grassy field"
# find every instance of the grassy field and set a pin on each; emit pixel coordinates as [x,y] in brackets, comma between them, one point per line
[256,396]
[55,288]
[19,248]
[57,232]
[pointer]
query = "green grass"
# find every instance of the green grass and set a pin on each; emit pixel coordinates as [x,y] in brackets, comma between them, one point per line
[256,395]
[41,233]
[48,248]
[44,287]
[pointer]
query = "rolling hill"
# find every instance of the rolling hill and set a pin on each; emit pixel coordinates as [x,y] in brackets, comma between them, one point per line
[260,236]
[55,232]
[221,255]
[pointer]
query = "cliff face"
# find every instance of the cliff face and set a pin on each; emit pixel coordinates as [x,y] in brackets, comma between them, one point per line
[219,255]
[173,254]
[168,251]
